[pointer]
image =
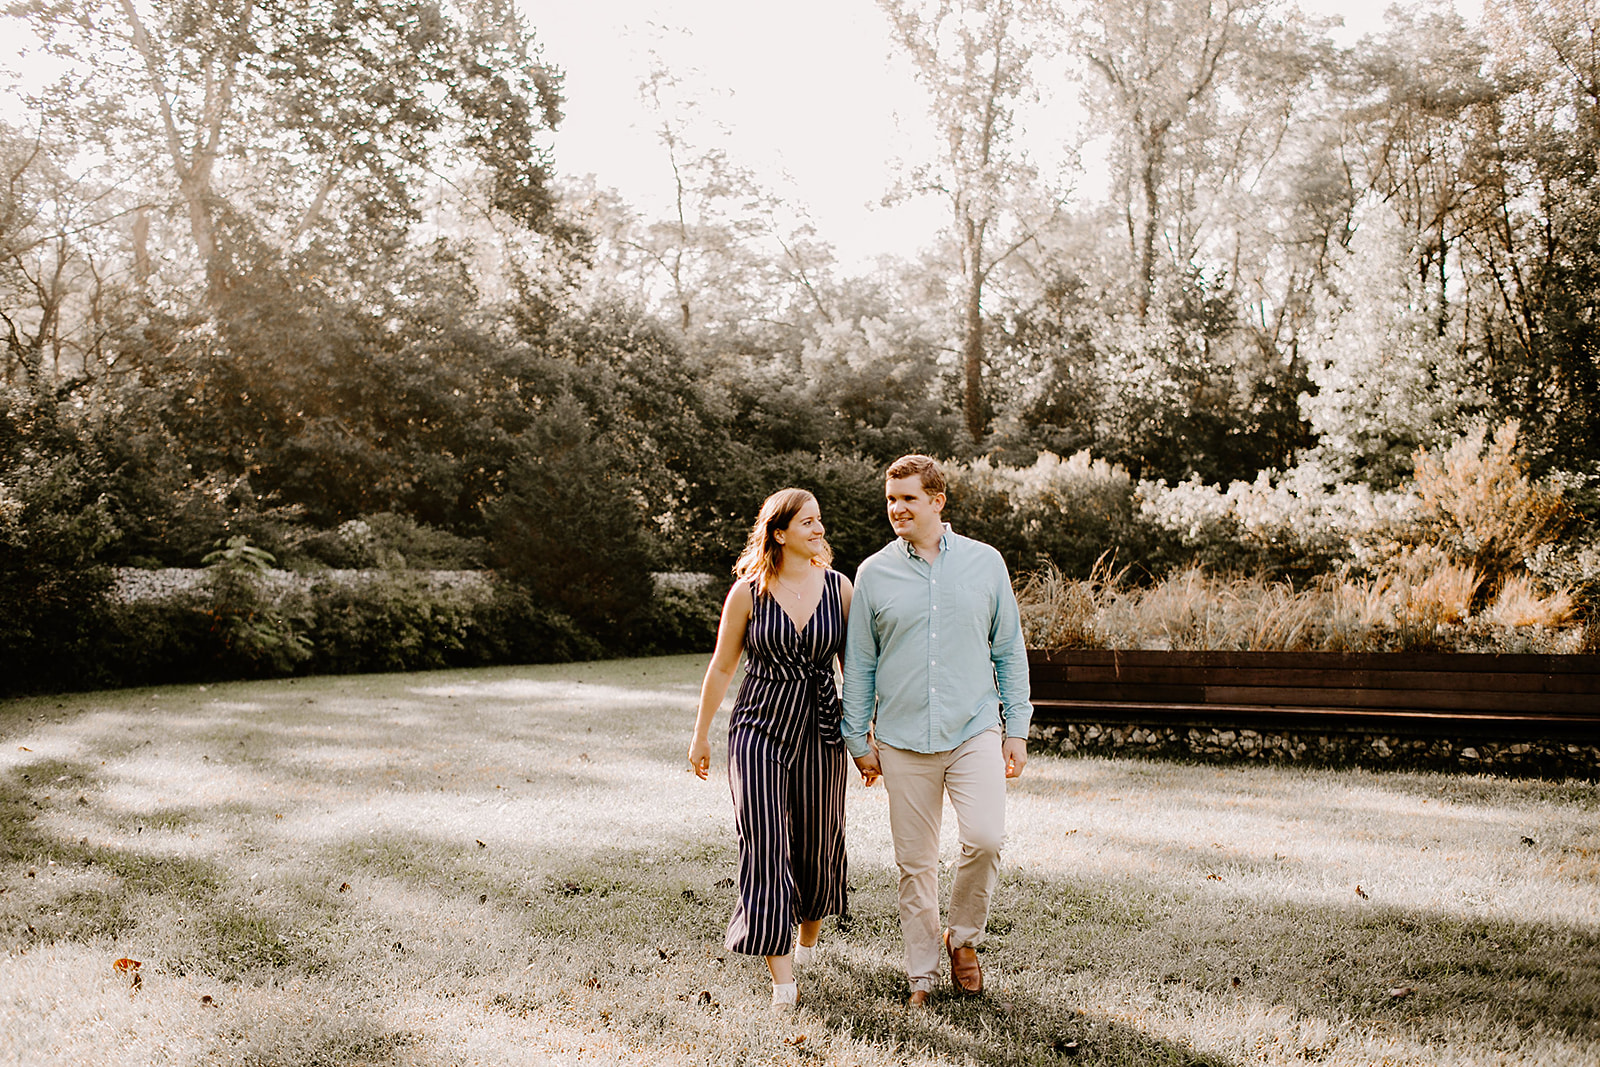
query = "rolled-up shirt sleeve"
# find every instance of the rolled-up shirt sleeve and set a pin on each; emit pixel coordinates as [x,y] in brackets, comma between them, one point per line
[860,692]
[1009,651]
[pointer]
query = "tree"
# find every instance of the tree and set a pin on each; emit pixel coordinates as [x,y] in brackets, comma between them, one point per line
[301,129]
[1531,225]
[973,57]
[1162,62]
[1385,382]
[58,263]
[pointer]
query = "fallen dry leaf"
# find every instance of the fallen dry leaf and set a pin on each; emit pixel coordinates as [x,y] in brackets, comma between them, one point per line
[797,1040]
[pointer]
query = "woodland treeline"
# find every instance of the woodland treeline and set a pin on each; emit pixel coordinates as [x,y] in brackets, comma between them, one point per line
[303,277]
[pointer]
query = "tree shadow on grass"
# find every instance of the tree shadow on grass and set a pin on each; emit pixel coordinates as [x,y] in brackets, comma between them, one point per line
[1007,1028]
[1435,976]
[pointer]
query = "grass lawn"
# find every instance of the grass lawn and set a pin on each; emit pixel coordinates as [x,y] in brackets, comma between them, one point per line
[512,866]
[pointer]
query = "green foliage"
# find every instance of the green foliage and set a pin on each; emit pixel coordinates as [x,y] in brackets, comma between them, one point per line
[252,627]
[389,541]
[54,526]
[400,622]
[1066,513]
[570,525]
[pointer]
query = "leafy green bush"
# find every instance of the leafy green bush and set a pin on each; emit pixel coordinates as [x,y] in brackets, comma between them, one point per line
[570,526]
[55,522]
[389,541]
[682,616]
[1065,512]
[259,632]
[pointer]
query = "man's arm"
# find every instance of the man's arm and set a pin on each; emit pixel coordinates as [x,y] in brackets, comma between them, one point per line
[1009,651]
[859,693]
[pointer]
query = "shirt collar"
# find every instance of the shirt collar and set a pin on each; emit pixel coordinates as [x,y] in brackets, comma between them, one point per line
[911,553]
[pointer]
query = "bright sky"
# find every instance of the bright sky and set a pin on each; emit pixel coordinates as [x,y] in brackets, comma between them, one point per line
[808,94]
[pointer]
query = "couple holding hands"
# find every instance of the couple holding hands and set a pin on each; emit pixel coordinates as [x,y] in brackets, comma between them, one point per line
[934,701]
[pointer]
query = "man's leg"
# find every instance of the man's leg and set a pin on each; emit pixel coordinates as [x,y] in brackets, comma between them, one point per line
[976,781]
[915,782]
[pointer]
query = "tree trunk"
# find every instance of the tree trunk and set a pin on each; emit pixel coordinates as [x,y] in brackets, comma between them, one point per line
[973,405]
[1147,239]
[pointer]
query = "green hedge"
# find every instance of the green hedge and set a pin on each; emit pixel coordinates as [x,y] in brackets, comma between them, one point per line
[389,621]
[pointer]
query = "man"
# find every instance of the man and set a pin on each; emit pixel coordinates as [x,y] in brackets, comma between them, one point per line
[934,648]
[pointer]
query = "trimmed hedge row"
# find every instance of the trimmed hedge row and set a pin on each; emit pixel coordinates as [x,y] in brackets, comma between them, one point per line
[382,621]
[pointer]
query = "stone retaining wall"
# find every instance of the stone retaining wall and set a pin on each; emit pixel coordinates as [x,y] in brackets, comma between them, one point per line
[1548,759]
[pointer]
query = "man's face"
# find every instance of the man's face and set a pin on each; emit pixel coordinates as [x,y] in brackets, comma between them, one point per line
[913,512]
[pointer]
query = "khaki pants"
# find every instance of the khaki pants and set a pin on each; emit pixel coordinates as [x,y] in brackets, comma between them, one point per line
[974,775]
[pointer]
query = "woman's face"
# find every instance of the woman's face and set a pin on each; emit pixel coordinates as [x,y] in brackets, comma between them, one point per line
[803,535]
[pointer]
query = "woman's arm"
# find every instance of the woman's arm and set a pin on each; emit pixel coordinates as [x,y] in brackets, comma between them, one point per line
[719,674]
[846,590]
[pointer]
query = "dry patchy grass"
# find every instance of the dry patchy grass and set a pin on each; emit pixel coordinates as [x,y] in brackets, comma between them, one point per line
[509,867]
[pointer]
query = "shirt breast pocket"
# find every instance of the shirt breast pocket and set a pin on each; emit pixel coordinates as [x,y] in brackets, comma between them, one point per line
[972,612]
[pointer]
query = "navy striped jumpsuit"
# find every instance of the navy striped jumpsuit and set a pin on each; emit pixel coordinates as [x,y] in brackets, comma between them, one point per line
[787,769]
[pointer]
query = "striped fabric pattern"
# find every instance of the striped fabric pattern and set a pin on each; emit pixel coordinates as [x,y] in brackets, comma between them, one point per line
[787,769]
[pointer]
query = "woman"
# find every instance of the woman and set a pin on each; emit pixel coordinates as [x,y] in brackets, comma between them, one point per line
[786,759]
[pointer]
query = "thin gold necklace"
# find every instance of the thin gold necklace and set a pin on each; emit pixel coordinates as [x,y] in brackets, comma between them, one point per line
[787,586]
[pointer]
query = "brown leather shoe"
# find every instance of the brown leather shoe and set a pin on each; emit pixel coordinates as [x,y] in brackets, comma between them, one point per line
[965,972]
[917,999]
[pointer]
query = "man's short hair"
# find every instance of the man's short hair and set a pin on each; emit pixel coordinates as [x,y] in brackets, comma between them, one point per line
[925,467]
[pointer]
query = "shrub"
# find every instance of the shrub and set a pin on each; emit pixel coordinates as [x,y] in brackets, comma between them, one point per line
[1296,523]
[389,541]
[681,616]
[570,526]
[400,621]
[1420,602]
[1065,512]
[1478,503]
[55,523]
[257,630]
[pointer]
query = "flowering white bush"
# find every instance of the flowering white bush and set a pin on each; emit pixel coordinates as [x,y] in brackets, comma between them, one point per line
[1050,478]
[1298,504]
[132,585]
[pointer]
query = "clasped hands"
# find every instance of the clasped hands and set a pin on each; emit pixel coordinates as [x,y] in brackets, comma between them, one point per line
[1013,749]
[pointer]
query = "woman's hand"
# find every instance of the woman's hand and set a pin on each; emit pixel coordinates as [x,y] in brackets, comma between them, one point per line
[700,757]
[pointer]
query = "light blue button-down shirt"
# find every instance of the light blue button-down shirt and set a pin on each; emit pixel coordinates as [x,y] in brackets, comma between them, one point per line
[933,650]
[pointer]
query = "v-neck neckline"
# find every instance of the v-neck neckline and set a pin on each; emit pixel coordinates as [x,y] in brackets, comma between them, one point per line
[800,629]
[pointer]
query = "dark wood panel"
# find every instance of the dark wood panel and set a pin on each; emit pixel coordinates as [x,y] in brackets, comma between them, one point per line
[1453,662]
[1558,704]
[1464,681]
[1563,705]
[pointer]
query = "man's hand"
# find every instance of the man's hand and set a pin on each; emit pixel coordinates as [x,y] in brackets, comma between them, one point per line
[869,768]
[1015,750]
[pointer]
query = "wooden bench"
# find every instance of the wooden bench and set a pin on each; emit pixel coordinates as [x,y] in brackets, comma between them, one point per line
[1502,697]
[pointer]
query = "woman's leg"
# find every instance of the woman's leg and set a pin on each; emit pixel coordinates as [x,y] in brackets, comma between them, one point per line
[817,817]
[763,918]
